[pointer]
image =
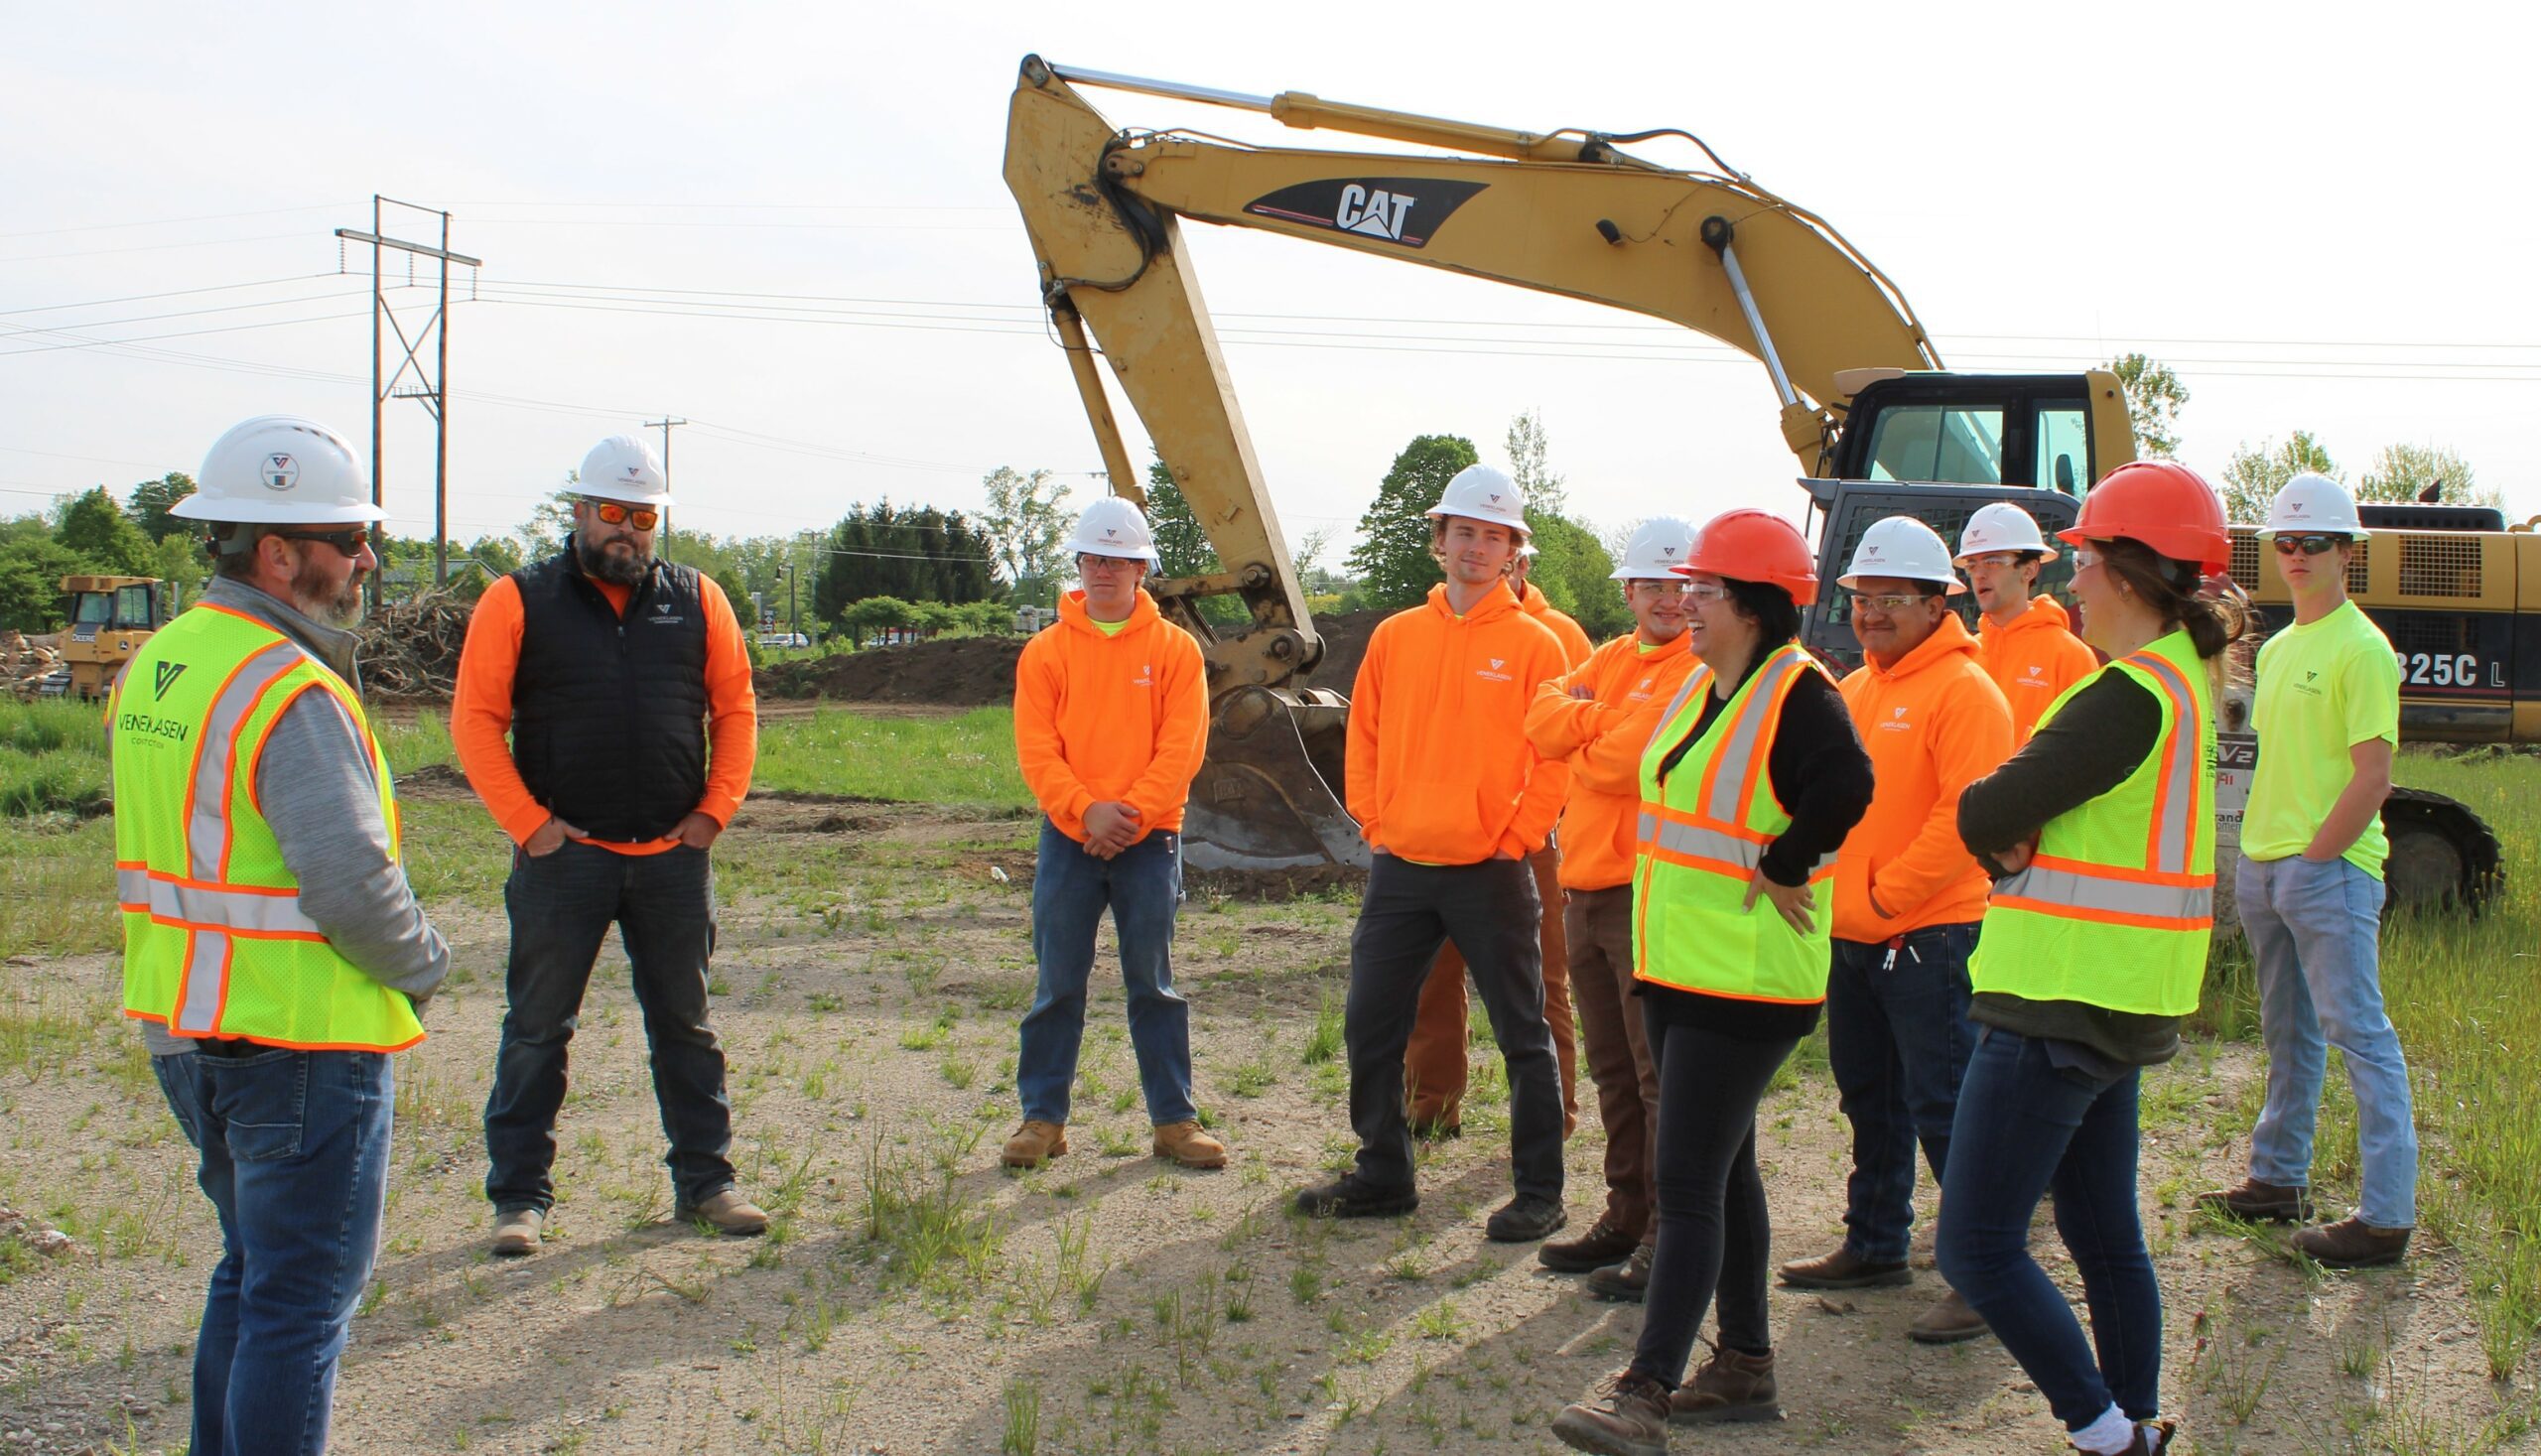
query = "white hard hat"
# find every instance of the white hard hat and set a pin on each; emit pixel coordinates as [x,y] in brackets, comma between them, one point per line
[2001,526]
[1657,548]
[1112,526]
[1481,493]
[625,469]
[281,469]
[2313,504]
[1902,546]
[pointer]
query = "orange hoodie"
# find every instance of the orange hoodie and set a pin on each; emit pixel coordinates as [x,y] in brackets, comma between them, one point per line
[1439,770]
[2034,659]
[1120,719]
[1575,646]
[1601,739]
[1933,725]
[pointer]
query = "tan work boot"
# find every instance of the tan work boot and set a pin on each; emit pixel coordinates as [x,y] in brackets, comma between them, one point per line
[516,1230]
[1034,1143]
[1946,1321]
[2260,1202]
[728,1212]
[1627,1416]
[1731,1385]
[1186,1143]
[1843,1269]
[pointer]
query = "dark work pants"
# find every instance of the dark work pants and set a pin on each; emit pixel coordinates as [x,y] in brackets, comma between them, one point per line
[561,905]
[1714,1234]
[1599,938]
[1490,910]
[1897,1042]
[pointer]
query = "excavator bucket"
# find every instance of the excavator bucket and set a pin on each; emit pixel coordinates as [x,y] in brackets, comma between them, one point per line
[1269,797]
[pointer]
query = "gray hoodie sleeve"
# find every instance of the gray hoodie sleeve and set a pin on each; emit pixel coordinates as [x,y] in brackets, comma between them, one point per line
[315,786]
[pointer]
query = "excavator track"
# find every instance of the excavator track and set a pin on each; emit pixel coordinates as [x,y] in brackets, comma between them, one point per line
[2443,855]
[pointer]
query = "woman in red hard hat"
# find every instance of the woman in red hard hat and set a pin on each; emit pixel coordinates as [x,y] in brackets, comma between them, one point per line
[1747,789]
[2101,833]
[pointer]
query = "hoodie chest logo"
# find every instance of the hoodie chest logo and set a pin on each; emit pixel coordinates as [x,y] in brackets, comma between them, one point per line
[1494,673]
[1896,721]
[1641,693]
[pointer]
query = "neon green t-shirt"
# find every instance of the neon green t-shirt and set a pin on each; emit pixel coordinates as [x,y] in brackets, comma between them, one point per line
[2323,689]
[1645,648]
[1108,629]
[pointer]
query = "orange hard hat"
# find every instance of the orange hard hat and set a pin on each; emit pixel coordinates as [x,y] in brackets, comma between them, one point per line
[1755,546]
[2162,503]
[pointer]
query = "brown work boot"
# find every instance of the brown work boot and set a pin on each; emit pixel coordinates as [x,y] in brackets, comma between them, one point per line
[516,1230]
[1946,1321]
[1034,1143]
[1185,1144]
[1843,1269]
[728,1213]
[1731,1385]
[2260,1203]
[1626,1283]
[2351,1243]
[1628,1417]
[2150,1440]
[1605,1243]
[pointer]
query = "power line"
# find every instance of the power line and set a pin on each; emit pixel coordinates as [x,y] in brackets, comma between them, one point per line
[167,222]
[204,243]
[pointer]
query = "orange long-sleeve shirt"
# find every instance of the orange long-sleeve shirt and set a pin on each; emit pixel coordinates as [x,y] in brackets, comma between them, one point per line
[1575,646]
[1439,768]
[1119,718]
[2034,659]
[480,711]
[1601,741]
[1933,724]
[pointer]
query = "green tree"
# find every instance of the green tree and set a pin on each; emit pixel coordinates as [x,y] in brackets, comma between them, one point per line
[150,500]
[1392,560]
[2154,398]
[1573,571]
[96,528]
[1528,448]
[2252,476]
[1181,541]
[1026,521]
[2405,472]
[876,615]
[181,562]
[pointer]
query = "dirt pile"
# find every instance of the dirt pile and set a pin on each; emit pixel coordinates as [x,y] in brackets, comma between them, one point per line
[978,672]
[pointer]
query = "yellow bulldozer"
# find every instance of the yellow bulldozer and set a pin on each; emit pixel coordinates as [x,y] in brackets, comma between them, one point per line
[110,618]
[1879,426]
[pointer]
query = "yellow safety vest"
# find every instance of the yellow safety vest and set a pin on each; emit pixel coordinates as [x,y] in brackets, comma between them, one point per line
[214,940]
[1704,831]
[2117,906]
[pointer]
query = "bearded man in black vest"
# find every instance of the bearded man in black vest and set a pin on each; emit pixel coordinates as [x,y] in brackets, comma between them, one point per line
[624,684]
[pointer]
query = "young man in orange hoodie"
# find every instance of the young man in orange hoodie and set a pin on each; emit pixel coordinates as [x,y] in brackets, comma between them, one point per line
[1452,801]
[1111,718]
[1433,1066]
[1907,899]
[2025,642]
[1597,721]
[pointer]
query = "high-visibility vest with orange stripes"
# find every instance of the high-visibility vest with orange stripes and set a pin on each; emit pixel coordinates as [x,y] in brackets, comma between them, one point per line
[1704,831]
[2118,906]
[214,942]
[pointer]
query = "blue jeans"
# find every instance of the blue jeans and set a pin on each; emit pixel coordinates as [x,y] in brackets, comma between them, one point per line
[561,905]
[2314,933]
[1143,886]
[2028,1127]
[295,1160]
[1896,1042]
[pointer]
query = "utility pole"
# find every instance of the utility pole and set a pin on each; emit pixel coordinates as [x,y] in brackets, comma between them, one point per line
[664,425]
[430,383]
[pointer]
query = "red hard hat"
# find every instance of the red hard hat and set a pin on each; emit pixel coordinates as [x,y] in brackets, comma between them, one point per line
[1756,546]
[2162,503]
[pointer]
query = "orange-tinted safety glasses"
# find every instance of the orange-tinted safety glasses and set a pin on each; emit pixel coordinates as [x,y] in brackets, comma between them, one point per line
[623,515]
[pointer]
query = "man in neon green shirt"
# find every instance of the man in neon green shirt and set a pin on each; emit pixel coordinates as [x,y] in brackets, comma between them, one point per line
[2310,886]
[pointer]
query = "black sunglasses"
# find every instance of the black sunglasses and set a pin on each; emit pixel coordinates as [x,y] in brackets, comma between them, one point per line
[2308,545]
[350,542]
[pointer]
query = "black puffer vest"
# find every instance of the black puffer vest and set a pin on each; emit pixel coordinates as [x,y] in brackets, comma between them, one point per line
[609,714]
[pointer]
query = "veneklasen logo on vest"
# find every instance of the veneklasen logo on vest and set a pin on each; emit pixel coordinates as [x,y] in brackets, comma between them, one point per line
[167,674]
[143,724]
[664,616]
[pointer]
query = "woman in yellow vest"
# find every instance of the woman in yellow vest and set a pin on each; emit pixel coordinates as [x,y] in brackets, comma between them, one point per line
[2101,830]
[1747,789]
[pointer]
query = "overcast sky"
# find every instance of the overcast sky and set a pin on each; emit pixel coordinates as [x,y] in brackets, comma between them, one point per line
[790,228]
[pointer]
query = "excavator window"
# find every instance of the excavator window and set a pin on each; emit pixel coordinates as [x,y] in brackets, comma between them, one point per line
[2064,446]
[93,609]
[1914,442]
[133,609]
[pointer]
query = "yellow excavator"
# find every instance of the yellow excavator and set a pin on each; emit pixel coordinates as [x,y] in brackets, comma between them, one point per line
[1877,424]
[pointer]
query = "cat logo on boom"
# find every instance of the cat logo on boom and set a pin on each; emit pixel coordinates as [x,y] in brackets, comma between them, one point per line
[1407,211]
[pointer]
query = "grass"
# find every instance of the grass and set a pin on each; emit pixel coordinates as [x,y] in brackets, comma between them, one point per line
[967,760]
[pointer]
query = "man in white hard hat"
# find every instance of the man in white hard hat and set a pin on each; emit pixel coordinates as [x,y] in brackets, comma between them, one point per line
[2025,640]
[274,953]
[1597,720]
[1452,800]
[1434,1064]
[2309,889]
[1907,899]
[1110,720]
[624,682]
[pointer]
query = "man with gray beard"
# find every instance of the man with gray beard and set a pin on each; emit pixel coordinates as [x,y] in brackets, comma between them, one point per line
[624,683]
